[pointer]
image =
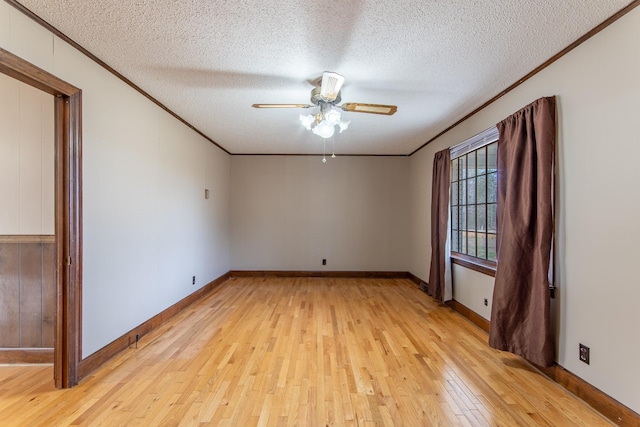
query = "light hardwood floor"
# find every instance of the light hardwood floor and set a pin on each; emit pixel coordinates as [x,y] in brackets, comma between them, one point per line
[302,352]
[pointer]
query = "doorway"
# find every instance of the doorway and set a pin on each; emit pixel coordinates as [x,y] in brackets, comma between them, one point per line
[27,240]
[68,211]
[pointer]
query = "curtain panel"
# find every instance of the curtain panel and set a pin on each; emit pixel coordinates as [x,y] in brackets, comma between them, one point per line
[439,285]
[520,315]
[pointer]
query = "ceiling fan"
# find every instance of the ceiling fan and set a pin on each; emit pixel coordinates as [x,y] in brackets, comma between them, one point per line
[327,96]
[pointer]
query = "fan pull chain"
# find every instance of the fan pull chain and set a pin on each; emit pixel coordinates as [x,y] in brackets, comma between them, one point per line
[324,150]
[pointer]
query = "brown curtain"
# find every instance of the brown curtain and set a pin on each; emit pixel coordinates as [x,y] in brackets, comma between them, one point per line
[439,287]
[520,318]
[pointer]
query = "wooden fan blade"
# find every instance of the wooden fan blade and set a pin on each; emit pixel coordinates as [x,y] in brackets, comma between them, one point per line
[387,110]
[282,106]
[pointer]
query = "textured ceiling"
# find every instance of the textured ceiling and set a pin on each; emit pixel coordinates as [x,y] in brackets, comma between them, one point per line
[208,61]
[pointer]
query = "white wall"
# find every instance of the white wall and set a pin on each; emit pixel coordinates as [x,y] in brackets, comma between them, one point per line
[290,212]
[26,159]
[147,227]
[598,90]
[473,296]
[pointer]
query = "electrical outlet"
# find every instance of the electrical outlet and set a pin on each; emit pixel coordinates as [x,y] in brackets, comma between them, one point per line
[486,302]
[324,261]
[584,353]
[193,280]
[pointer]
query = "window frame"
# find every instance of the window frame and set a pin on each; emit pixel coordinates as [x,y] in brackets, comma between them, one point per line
[472,144]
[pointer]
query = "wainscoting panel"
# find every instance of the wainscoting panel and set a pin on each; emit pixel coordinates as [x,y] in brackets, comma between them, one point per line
[27,286]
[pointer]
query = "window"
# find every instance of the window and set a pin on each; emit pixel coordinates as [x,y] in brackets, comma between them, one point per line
[474,188]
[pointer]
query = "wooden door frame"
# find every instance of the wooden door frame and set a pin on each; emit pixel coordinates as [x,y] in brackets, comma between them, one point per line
[68,212]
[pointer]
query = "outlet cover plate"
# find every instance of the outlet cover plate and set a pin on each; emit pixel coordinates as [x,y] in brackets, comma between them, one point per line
[584,354]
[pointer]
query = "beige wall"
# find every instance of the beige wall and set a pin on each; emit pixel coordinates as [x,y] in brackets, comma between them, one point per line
[147,226]
[26,159]
[290,212]
[598,90]
[473,296]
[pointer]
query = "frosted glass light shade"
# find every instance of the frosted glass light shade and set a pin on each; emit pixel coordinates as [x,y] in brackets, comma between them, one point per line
[324,129]
[307,120]
[333,116]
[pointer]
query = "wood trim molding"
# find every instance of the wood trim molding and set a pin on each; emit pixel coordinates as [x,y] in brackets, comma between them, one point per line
[628,8]
[476,264]
[26,355]
[598,400]
[319,155]
[24,238]
[97,359]
[68,209]
[19,69]
[70,229]
[541,67]
[104,65]
[341,274]
[469,314]
[415,279]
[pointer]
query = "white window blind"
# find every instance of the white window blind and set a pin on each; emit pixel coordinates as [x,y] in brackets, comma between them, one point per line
[483,138]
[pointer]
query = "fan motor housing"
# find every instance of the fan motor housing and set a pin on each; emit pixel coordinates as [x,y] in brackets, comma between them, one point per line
[316,98]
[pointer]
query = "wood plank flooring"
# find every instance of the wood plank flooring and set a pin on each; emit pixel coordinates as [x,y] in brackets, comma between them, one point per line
[302,352]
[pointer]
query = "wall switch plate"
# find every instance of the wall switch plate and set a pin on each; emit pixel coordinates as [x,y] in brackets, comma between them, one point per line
[584,353]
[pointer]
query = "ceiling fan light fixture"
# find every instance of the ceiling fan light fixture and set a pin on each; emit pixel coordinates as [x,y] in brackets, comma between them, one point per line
[327,97]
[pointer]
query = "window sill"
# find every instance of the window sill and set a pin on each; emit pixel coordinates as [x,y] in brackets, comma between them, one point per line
[476,264]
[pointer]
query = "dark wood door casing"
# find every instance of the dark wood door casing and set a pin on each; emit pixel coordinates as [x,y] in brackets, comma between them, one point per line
[68,211]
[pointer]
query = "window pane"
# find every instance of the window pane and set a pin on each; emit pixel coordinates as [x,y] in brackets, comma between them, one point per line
[492,157]
[463,166]
[474,198]
[491,251]
[482,161]
[492,188]
[471,243]
[471,164]
[463,217]
[481,251]
[454,218]
[463,193]
[463,242]
[481,189]
[454,170]
[491,218]
[454,193]
[481,222]
[471,191]
[471,217]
